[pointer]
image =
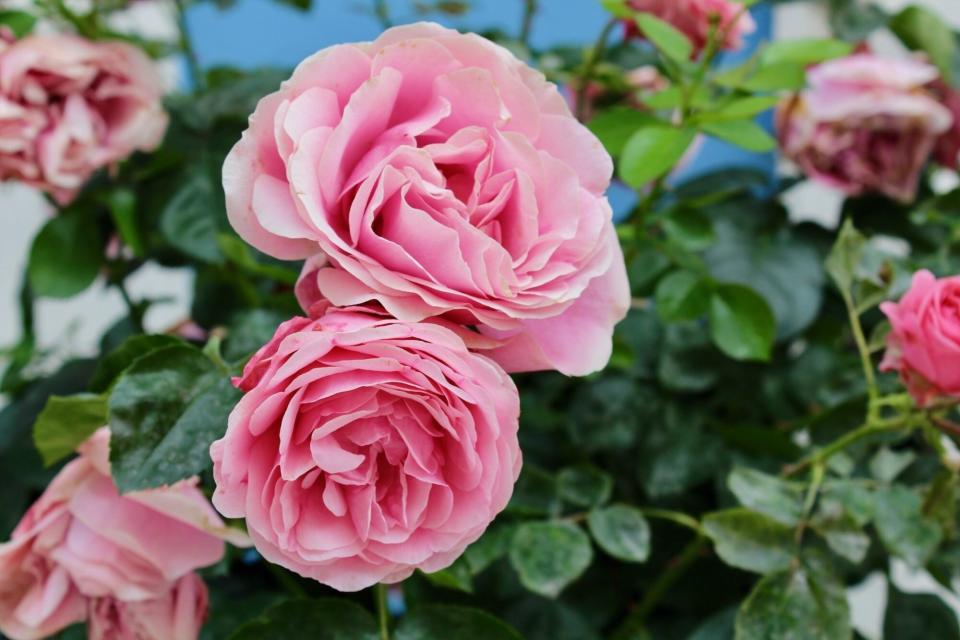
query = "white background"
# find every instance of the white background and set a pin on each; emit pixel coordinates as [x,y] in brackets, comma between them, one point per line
[73,327]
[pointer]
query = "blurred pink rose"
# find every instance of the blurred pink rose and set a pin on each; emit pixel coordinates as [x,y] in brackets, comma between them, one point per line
[696,18]
[865,124]
[440,176]
[69,106]
[366,448]
[924,343]
[947,151]
[82,540]
[176,615]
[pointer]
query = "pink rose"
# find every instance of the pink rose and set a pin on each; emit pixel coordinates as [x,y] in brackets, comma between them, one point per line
[865,124]
[924,342]
[82,541]
[947,151]
[440,176]
[176,615]
[69,107]
[366,448]
[697,18]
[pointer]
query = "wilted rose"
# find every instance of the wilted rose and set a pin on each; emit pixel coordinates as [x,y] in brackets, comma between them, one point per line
[865,124]
[366,448]
[70,106]
[440,176]
[176,615]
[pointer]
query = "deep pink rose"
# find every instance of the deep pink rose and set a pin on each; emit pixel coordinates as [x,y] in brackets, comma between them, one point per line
[440,176]
[176,615]
[69,106]
[82,541]
[924,343]
[947,151]
[366,448]
[696,18]
[865,124]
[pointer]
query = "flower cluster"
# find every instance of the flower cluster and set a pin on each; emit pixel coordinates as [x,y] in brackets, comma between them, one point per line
[452,215]
[123,563]
[69,106]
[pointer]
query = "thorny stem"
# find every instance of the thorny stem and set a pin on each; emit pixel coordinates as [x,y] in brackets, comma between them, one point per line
[593,58]
[197,78]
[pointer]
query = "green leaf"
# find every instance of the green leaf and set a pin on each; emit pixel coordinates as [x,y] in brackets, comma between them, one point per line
[615,126]
[165,411]
[116,362]
[249,330]
[457,576]
[651,152]
[322,619]
[857,499]
[682,295]
[795,605]
[584,485]
[918,615]
[189,222]
[719,626]
[689,228]
[244,256]
[743,133]
[621,531]
[492,545]
[740,108]
[804,51]
[771,496]
[617,8]
[447,622]
[665,37]
[66,256]
[902,527]
[845,256]
[844,537]
[780,76]
[924,30]
[20,22]
[886,464]
[741,323]
[66,422]
[750,541]
[123,209]
[550,555]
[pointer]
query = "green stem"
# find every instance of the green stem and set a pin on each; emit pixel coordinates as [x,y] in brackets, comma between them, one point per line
[660,587]
[133,309]
[593,58]
[816,480]
[382,613]
[675,517]
[865,360]
[529,12]
[197,78]
[821,456]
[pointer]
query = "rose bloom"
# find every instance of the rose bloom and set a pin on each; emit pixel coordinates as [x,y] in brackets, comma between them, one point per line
[696,18]
[176,615]
[69,107]
[366,447]
[947,150]
[865,124]
[440,176]
[924,342]
[82,542]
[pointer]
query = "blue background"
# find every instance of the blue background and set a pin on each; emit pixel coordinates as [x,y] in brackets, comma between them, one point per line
[255,33]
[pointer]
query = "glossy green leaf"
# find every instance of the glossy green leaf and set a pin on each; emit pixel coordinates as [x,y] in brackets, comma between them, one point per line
[743,133]
[925,30]
[165,411]
[652,152]
[795,605]
[457,576]
[741,323]
[804,51]
[844,258]
[886,464]
[615,126]
[770,495]
[114,363]
[66,422]
[584,485]
[189,222]
[548,556]
[665,37]
[20,23]
[321,619]
[919,615]
[751,541]
[689,228]
[447,622]
[621,531]
[844,537]
[66,256]
[682,295]
[902,527]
